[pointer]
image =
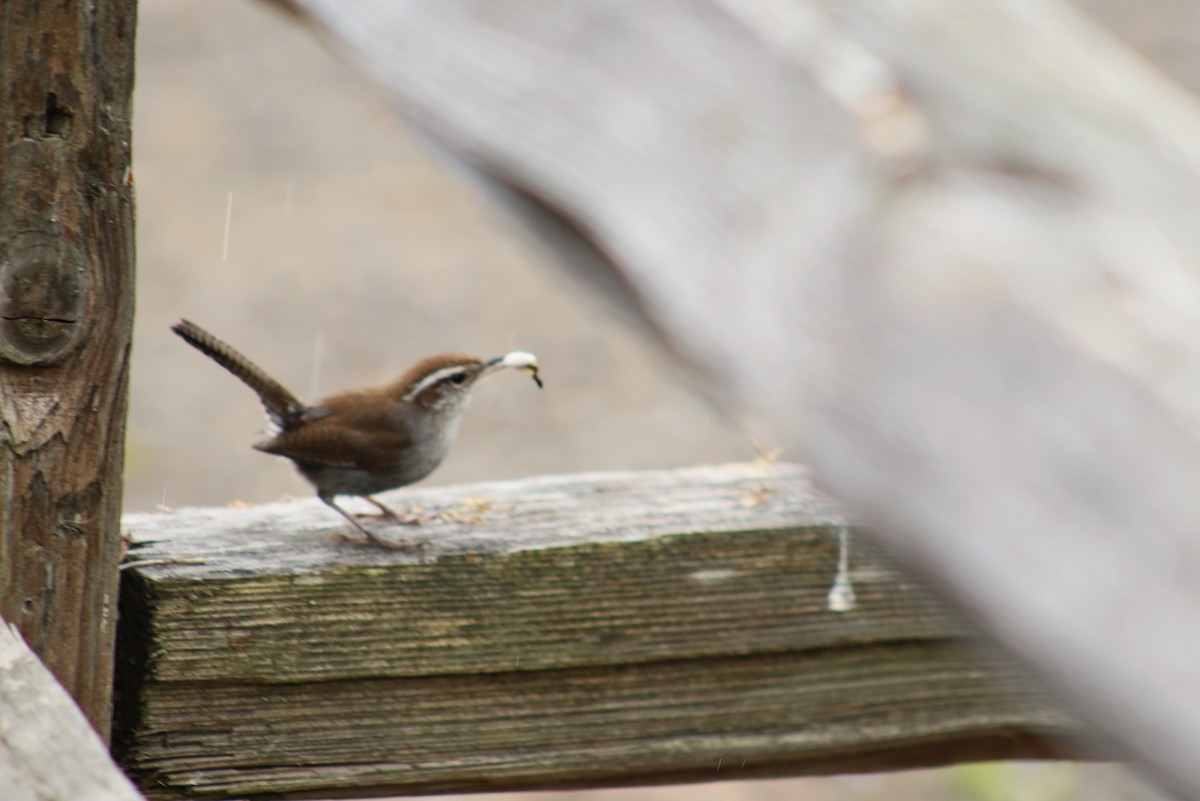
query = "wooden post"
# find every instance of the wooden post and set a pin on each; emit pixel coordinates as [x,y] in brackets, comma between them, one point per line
[66,312]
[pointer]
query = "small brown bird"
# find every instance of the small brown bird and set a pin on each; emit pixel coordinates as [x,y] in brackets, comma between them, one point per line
[364,441]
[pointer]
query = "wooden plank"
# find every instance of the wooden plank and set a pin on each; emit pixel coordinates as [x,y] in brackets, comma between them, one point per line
[944,253]
[592,630]
[896,706]
[66,318]
[48,751]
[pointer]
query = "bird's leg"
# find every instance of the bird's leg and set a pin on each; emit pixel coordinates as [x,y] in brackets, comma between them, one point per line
[386,513]
[369,537]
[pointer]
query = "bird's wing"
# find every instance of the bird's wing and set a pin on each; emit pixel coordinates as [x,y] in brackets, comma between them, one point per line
[339,440]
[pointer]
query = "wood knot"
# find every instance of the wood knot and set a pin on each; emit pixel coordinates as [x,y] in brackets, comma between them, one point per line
[42,292]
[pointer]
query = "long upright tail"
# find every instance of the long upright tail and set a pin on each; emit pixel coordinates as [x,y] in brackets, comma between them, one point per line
[283,408]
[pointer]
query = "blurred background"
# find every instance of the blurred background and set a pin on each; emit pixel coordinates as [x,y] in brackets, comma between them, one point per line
[349,253]
[283,206]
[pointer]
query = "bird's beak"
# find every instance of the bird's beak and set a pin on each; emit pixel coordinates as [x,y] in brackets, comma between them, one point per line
[518,359]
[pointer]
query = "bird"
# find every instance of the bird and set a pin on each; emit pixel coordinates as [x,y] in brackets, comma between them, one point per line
[364,441]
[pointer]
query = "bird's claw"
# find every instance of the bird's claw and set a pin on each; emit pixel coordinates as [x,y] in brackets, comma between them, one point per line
[374,541]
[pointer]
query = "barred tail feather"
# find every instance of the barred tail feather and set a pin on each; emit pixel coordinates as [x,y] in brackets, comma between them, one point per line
[282,406]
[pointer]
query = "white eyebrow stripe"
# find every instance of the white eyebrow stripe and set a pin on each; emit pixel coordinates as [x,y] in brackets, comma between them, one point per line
[433,378]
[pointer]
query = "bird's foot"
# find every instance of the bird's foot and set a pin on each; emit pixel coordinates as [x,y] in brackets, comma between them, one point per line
[411,517]
[375,541]
[369,537]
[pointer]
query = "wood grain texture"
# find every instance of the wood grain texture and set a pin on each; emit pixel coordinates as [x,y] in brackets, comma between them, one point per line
[48,751]
[944,253]
[581,630]
[66,306]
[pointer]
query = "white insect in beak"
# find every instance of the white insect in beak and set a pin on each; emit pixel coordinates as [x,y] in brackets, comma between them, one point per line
[520,360]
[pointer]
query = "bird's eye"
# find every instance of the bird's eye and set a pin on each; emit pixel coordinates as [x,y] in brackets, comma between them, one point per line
[458,378]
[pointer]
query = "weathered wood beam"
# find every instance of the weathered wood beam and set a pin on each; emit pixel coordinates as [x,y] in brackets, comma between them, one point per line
[577,630]
[48,752]
[66,319]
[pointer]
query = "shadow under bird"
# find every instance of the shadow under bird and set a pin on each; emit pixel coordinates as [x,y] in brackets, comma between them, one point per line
[364,441]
